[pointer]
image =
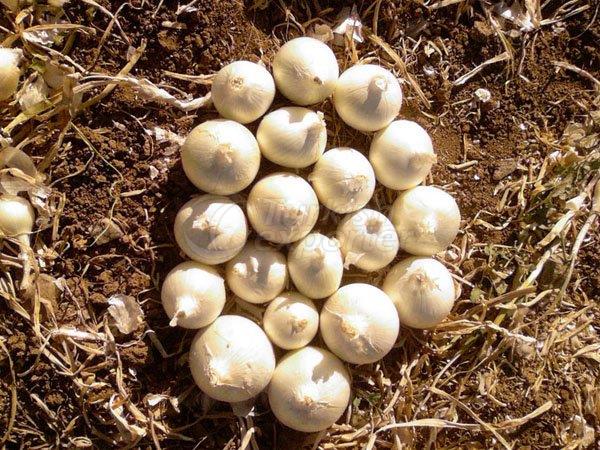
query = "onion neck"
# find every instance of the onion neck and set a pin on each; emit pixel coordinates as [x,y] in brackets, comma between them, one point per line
[421,281]
[236,83]
[427,225]
[298,325]
[356,183]
[206,225]
[185,305]
[353,326]
[224,154]
[378,85]
[373,226]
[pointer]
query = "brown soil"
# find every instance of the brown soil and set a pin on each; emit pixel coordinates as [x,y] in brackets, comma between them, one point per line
[139,183]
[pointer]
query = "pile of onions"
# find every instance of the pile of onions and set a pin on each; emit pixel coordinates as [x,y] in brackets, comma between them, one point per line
[293,260]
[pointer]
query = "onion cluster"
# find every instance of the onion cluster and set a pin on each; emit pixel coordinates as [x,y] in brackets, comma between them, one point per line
[288,264]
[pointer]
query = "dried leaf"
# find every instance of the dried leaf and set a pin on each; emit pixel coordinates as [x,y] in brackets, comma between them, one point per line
[126,313]
[105,231]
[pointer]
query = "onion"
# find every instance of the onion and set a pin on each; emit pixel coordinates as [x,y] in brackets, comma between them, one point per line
[243,91]
[232,359]
[359,323]
[310,389]
[292,136]
[343,180]
[210,229]
[291,321]
[193,295]
[367,97]
[402,155]
[282,208]
[426,220]
[422,290]
[220,157]
[367,240]
[305,70]
[316,266]
[258,273]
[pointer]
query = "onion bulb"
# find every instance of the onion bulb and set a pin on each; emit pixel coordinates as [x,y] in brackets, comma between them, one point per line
[343,180]
[258,273]
[367,240]
[402,155]
[422,290]
[232,359]
[305,70]
[292,136]
[193,295]
[243,91]
[367,97]
[220,157]
[359,323]
[426,220]
[9,71]
[17,218]
[310,389]
[210,229]
[291,321]
[315,265]
[282,208]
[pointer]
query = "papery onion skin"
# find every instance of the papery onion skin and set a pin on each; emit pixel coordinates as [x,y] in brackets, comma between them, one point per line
[193,295]
[343,180]
[292,136]
[359,323]
[220,157]
[282,208]
[243,91]
[422,291]
[402,155]
[427,220]
[258,273]
[291,321]
[310,389]
[9,72]
[305,70]
[316,266]
[210,229]
[232,359]
[367,97]
[368,240]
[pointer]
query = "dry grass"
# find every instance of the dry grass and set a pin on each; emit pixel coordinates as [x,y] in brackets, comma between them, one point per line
[513,342]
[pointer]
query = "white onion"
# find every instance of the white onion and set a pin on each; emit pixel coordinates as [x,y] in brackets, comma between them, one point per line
[210,229]
[291,321]
[220,157]
[258,273]
[292,136]
[282,208]
[402,155]
[427,220]
[243,91]
[232,359]
[343,180]
[367,240]
[367,97]
[316,266]
[193,295]
[359,323]
[17,217]
[310,389]
[422,290]
[305,70]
